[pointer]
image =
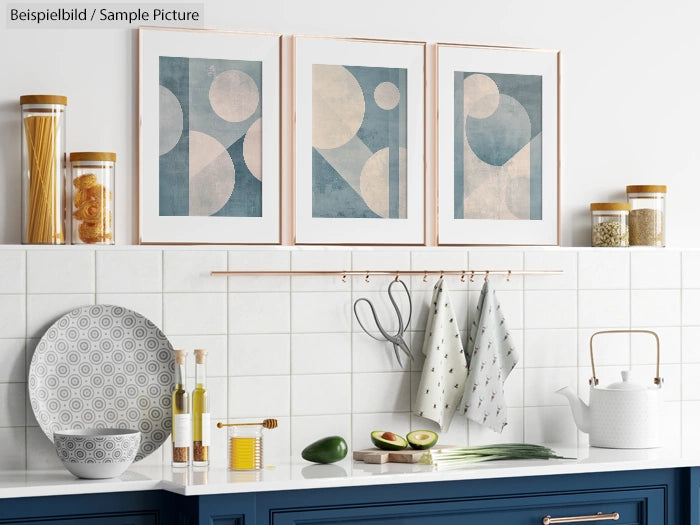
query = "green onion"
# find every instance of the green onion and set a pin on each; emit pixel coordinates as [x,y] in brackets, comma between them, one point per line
[458,457]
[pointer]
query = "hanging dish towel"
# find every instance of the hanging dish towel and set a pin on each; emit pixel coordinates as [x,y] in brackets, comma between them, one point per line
[442,381]
[491,357]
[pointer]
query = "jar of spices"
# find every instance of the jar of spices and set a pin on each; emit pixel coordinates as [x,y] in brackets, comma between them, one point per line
[93,197]
[609,224]
[647,215]
[43,169]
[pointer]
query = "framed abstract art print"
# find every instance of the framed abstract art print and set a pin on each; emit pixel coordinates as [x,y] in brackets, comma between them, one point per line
[359,108]
[498,145]
[209,137]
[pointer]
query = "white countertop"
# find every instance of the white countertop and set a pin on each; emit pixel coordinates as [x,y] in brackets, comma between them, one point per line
[346,473]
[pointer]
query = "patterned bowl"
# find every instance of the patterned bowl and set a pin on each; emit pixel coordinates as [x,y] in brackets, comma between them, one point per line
[97,453]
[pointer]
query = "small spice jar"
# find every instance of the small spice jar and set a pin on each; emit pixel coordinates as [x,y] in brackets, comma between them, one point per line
[647,215]
[43,169]
[93,197]
[609,224]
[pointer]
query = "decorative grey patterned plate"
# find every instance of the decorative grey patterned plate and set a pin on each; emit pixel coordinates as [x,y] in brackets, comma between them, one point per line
[104,366]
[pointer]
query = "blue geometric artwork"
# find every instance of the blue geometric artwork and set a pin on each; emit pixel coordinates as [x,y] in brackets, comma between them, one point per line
[358,142]
[210,137]
[498,146]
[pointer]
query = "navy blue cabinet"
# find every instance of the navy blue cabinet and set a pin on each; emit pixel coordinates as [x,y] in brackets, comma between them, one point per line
[653,497]
[645,497]
[694,495]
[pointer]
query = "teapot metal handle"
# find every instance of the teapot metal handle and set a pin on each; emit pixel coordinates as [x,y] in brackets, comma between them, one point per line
[657,380]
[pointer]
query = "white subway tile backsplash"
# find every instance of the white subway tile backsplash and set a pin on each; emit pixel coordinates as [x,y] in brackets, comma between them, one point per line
[320,394]
[603,268]
[364,424]
[259,354]
[690,425]
[189,271]
[321,353]
[258,396]
[604,308]
[18,459]
[655,307]
[44,309]
[655,269]
[307,429]
[540,385]
[321,260]
[129,271]
[258,313]
[12,401]
[291,349]
[194,313]
[381,392]
[553,425]
[60,271]
[264,260]
[690,309]
[150,305]
[566,261]
[12,354]
[13,271]
[550,348]
[549,309]
[321,312]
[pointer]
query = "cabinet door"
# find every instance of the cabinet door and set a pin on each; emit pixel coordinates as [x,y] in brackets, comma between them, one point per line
[139,519]
[694,503]
[635,507]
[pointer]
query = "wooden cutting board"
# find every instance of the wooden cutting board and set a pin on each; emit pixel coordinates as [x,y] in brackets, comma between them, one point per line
[375,455]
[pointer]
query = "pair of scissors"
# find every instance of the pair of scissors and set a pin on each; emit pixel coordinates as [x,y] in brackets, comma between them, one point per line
[396,339]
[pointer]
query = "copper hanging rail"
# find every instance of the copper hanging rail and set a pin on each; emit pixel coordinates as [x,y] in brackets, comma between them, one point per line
[394,273]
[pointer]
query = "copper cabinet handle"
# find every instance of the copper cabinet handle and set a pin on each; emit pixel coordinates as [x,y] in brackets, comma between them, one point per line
[547,520]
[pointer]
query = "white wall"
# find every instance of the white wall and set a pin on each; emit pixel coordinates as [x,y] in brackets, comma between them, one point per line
[629,79]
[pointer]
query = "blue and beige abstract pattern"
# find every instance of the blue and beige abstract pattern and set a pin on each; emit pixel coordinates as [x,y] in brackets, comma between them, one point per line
[498,146]
[358,142]
[210,137]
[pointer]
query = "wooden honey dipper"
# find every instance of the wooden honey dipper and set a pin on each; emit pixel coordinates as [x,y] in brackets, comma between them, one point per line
[266,423]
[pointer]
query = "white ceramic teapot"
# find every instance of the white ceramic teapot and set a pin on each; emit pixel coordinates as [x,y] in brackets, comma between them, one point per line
[623,414]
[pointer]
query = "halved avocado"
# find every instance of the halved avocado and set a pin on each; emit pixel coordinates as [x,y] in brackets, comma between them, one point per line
[421,439]
[388,440]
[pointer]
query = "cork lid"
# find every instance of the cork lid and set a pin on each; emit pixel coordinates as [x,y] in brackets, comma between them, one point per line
[93,155]
[200,356]
[43,99]
[180,356]
[610,206]
[647,188]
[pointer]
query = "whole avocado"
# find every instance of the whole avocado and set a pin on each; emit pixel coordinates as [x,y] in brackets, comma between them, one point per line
[326,450]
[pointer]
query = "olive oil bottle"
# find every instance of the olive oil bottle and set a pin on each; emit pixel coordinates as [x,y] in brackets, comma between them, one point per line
[182,418]
[201,421]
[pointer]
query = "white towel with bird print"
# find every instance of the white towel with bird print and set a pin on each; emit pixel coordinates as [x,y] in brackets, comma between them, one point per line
[442,381]
[491,357]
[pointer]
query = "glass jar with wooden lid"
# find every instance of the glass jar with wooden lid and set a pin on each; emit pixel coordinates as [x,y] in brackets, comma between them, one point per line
[43,169]
[647,214]
[93,197]
[609,224]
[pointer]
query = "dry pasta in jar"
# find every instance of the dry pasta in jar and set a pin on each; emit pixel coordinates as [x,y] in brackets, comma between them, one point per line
[92,197]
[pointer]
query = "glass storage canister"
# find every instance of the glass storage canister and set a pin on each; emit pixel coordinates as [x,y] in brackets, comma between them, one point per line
[93,197]
[647,215]
[609,224]
[43,169]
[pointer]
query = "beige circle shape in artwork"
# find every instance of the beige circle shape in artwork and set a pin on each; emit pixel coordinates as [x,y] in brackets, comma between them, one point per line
[374,182]
[481,96]
[212,175]
[338,106]
[387,95]
[169,121]
[252,149]
[234,95]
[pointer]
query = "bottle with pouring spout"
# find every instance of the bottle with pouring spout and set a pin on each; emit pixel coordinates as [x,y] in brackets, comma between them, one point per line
[182,418]
[201,421]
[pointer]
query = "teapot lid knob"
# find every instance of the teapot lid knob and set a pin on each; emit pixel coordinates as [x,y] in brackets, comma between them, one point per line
[626,375]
